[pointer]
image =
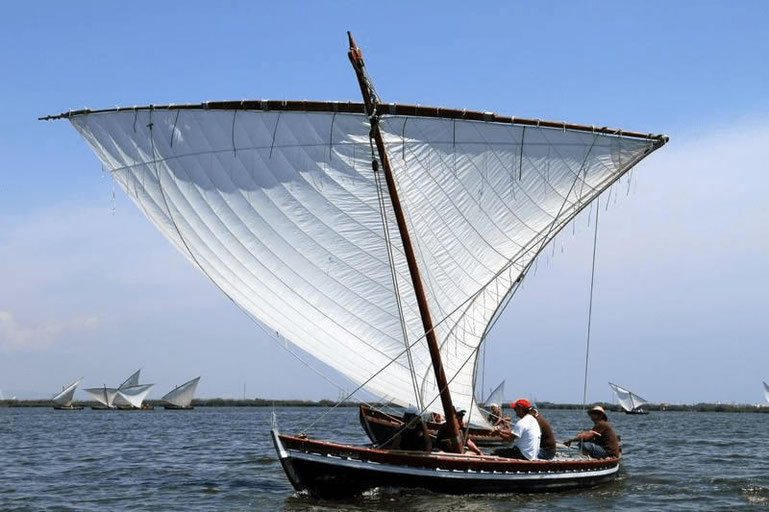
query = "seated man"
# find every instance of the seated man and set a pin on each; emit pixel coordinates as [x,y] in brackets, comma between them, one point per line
[547,441]
[444,435]
[496,418]
[526,433]
[414,434]
[600,441]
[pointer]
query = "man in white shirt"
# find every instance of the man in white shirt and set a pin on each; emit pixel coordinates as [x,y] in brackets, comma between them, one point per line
[526,433]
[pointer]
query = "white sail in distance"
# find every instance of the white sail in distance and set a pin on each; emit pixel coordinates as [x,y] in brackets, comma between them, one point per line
[282,211]
[627,399]
[133,395]
[104,395]
[182,395]
[497,396]
[64,397]
[133,380]
[766,391]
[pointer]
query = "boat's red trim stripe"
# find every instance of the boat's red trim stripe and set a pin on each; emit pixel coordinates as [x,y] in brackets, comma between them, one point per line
[353,107]
[477,463]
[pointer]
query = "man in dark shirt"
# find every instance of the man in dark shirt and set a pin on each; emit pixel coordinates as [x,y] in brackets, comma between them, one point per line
[414,435]
[600,441]
[547,441]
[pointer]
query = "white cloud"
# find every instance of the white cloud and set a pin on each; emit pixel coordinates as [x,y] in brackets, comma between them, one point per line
[15,336]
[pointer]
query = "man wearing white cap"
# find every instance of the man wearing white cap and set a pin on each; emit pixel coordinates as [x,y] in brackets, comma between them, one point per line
[600,441]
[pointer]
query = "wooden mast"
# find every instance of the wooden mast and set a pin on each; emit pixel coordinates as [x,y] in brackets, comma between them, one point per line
[371,103]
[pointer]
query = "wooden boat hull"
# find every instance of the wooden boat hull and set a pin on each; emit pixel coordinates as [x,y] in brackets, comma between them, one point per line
[333,470]
[382,427]
[177,408]
[637,411]
[68,407]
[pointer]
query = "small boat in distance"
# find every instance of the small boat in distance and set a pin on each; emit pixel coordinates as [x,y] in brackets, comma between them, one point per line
[632,403]
[181,396]
[104,395]
[62,401]
[131,398]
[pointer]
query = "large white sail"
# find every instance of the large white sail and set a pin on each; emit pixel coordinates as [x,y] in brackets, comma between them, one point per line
[281,210]
[104,396]
[182,395]
[766,391]
[133,395]
[64,397]
[133,380]
[627,399]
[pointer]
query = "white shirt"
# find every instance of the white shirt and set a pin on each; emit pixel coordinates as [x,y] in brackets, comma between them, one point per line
[527,434]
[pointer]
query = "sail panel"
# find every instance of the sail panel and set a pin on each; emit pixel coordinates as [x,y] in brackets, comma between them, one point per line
[64,397]
[766,391]
[182,396]
[482,199]
[281,211]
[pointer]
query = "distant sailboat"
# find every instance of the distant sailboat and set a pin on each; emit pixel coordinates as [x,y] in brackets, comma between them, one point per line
[133,380]
[132,397]
[104,395]
[63,400]
[495,397]
[766,391]
[629,401]
[181,396]
[107,396]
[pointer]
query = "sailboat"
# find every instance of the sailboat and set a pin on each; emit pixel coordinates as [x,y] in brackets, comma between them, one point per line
[181,396]
[132,397]
[383,239]
[630,402]
[104,395]
[107,396]
[766,391]
[62,400]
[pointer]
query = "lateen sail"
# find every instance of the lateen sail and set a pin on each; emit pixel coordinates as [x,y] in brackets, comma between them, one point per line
[133,395]
[497,396]
[64,398]
[627,399]
[766,391]
[133,380]
[104,396]
[281,210]
[181,396]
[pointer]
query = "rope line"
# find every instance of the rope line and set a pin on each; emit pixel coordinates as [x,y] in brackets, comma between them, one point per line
[590,307]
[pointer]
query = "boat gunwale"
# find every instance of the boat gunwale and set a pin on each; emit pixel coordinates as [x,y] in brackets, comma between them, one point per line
[439,460]
[353,107]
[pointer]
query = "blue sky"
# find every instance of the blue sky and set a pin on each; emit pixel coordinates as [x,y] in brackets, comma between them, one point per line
[682,288]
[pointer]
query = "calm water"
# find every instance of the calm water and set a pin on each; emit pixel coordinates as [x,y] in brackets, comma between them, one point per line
[222,459]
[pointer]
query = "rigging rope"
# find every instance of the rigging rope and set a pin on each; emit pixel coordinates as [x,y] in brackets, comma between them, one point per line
[590,307]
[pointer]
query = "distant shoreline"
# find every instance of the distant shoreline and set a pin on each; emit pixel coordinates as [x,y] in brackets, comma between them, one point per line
[264,402]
